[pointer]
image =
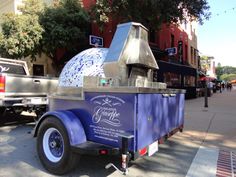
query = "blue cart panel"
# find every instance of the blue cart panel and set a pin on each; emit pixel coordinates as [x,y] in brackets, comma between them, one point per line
[105,116]
[158,115]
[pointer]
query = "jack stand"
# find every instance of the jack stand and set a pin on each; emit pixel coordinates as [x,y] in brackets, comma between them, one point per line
[112,165]
[125,156]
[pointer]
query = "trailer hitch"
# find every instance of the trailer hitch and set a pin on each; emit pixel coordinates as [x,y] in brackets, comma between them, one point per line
[125,156]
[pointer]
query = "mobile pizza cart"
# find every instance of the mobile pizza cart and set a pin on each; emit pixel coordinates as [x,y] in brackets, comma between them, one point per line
[107,104]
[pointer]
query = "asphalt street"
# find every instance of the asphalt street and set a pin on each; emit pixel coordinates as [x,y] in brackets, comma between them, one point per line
[207,131]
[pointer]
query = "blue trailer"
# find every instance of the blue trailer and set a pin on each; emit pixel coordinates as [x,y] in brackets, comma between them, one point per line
[118,111]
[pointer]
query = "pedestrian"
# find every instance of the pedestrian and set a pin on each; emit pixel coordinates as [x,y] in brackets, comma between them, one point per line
[209,88]
[230,86]
[223,85]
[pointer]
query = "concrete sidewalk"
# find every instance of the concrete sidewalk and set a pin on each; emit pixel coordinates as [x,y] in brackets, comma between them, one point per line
[214,128]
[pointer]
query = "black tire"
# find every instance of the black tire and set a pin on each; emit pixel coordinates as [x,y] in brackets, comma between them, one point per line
[65,162]
[2,116]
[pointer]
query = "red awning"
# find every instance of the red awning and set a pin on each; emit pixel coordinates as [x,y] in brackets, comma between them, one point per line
[208,78]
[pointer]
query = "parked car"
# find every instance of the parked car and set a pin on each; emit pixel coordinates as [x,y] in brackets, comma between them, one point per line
[21,92]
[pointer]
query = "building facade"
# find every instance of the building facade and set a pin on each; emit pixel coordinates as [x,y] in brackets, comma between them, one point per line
[175,69]
[7,6]
[208,64]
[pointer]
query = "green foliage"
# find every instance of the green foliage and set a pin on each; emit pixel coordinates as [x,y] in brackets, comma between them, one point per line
[66,26]
[205,61]
[1,36]
[151,13]
[228,77]
[44,29]
[219,71]
[21,34]
[31,7]
[226,73]
[100,12]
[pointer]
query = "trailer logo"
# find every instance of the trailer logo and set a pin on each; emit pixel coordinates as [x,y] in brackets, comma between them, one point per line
[107,109]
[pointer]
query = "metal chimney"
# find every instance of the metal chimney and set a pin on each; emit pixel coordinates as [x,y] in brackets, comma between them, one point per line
[129,55]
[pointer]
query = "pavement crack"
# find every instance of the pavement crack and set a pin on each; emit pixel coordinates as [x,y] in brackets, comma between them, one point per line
[208,128]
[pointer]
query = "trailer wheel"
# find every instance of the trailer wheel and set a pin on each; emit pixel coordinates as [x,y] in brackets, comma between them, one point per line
[53,147]
[2,116]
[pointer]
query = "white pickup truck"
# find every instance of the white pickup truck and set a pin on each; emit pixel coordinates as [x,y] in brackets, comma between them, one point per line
[21,92]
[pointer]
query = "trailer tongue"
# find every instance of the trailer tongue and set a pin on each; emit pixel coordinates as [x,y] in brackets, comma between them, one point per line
[108,104]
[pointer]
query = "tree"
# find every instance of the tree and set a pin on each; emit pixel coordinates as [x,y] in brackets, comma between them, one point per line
[228,77]
[31,7]
[21,33]
[205,62]
[226,72]
[219,71]
[229,70]
[151,13]
[66,27]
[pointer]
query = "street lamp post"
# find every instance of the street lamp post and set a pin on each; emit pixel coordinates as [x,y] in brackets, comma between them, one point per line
[206,99]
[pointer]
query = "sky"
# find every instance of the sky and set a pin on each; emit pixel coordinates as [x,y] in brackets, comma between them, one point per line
[217,36]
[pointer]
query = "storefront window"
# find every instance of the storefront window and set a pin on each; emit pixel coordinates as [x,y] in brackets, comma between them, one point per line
[189,81]
[172,79]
